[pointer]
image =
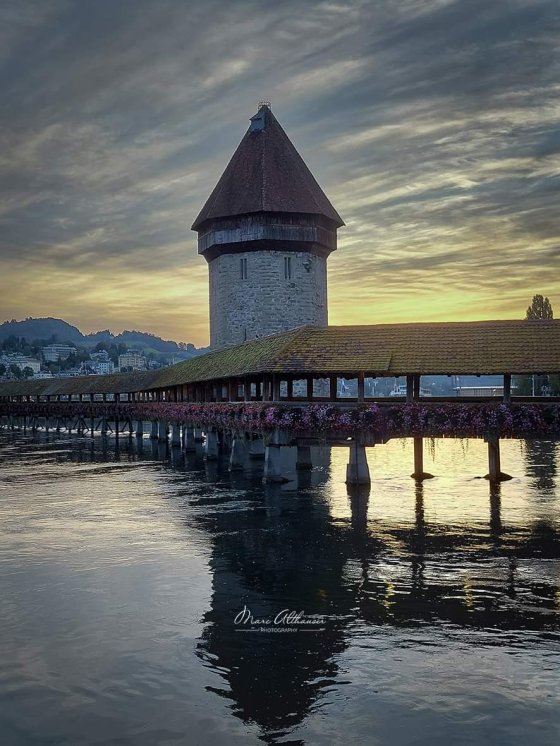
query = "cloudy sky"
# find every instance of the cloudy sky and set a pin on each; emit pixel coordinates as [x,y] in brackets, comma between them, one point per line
[432,125]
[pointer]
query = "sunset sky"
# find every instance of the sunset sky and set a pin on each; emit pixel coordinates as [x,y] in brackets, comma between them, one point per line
[432,125]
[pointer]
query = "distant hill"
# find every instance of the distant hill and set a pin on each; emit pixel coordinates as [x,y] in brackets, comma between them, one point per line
[58,330]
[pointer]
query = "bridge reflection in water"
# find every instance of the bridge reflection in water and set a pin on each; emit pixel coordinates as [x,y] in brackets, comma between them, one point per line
[438,562]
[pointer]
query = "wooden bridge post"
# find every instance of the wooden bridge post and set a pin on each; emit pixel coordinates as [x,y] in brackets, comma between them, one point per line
[139,428]
[256,448]
[419,472]
[507,388]
[198,437]
[275,462]
[495,473]
[361,386]
[357,470]
[175,436]
[154,430]
[409,388]
[211,446]
[303,461]
[162,431]
[188,440]
[239,452]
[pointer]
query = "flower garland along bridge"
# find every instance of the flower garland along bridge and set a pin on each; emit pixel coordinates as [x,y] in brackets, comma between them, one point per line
[269,395]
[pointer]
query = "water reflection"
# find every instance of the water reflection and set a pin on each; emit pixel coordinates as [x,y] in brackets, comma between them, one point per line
[491,578]
[540,457]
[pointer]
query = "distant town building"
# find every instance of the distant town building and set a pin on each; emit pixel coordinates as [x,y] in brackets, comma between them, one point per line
[21,361]
[53,353]
[101,356]
[102,367]
[132,359]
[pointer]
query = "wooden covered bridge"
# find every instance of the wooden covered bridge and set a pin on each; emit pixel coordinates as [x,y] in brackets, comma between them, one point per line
[316,385]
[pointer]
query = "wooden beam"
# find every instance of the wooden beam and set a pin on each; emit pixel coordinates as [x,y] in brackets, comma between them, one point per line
[409,388]
[333,384]
[507,388]
[290,385]
[309,387]
[275,387]
[361,380]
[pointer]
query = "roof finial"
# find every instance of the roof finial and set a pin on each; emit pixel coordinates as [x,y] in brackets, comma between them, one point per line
[264,103]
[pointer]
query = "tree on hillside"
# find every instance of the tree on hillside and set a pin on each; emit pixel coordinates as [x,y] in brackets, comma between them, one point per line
[15,371]
[2,370]
[540,308]
[28,372]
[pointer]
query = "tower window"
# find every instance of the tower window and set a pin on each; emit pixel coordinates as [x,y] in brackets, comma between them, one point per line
[243,267]
[288,267]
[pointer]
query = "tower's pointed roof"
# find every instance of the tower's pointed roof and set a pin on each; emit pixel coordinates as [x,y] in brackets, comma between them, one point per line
[266,174]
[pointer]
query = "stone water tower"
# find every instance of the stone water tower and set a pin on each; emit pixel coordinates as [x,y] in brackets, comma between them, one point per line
[266,232]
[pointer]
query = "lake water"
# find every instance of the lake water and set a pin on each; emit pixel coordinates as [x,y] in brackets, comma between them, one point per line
[431,614]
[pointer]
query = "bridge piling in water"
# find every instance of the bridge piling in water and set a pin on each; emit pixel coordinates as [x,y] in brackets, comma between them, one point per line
[495,473]
[419,472]
[189,444]
[357,469]
[304,458]
[256,448]
[211,445]
[162,431]
[175,436]
[239,452]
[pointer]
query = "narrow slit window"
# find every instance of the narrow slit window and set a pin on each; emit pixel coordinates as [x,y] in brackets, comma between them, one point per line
[243,269]
[288,267]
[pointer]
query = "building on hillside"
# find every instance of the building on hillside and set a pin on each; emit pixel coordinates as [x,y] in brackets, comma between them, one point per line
[266,231]
[132,359]
[55,352]
[21,361]
[102,367]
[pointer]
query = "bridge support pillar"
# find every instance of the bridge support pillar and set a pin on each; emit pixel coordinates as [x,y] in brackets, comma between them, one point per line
[188,440]
[256,448]
[175,436]
[139,429]
[162,431]
[104,427]
[419,472]
[239,452]
[304,458]
[198,437]
[495,473]
[211,446]
[277,458]
[357,470]
[154,430]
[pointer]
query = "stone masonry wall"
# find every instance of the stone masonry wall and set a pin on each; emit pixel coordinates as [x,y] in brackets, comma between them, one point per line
[266,301]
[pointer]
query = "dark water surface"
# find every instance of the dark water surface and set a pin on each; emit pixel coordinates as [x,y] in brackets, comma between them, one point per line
[121,574]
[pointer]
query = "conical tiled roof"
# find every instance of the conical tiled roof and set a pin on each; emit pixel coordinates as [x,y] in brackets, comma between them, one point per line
[266,174]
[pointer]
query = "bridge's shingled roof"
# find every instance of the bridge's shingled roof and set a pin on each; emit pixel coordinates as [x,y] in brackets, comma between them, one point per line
[266,174]
[479,347]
